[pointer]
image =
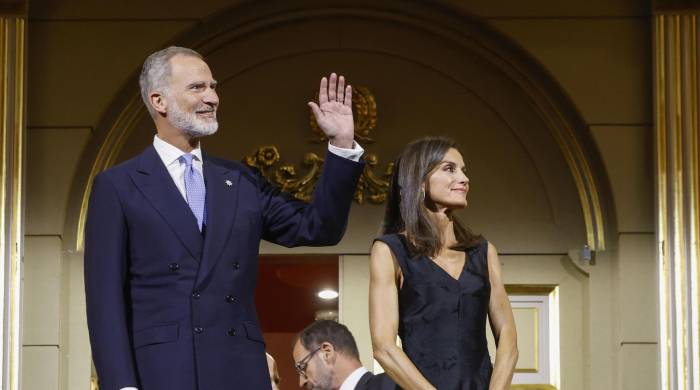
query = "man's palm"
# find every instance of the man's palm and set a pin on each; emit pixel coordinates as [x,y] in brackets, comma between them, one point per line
[334,111]
[336,120]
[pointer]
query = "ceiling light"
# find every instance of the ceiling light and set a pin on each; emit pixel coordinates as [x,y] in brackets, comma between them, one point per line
[328,294]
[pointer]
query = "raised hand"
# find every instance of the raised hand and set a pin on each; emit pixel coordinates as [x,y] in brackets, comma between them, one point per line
[334,111]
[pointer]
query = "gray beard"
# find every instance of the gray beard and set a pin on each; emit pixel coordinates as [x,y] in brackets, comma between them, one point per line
[325,382]
[189,123]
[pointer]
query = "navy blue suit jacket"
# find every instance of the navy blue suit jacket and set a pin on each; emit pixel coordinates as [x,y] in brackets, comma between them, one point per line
[381,381]
[171,309]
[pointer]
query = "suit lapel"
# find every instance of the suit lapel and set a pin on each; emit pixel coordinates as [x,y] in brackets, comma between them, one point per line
[156,184]
[222,204]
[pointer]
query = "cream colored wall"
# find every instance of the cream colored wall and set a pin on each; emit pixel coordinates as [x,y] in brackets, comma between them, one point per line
[53,156]
[81,54]
[604,64]
[635,275]
[354,303]
[602,57]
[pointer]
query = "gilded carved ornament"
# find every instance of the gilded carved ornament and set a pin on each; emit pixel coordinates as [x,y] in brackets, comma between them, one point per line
[371,186]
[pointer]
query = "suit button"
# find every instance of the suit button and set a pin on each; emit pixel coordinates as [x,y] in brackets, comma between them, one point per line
[174,266]
[198,330]
[236,265]
[196,295]
[231,332]
[230,299]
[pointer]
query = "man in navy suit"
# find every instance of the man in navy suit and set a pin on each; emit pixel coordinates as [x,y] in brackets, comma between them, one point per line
[172,237]
[326,358]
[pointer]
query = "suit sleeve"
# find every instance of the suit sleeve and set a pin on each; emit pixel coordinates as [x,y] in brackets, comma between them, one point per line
[291,222]
[106,287]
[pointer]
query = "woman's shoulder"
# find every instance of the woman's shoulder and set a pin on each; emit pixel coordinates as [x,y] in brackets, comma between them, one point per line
[389,238]
[396,243]
[480,245]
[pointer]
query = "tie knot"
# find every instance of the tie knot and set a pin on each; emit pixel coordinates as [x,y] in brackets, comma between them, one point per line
[187,159]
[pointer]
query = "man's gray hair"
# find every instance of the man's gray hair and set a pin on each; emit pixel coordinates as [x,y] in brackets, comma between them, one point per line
[155,74]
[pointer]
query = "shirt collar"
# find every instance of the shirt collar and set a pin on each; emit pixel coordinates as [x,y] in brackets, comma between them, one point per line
[170,154]
[352,379]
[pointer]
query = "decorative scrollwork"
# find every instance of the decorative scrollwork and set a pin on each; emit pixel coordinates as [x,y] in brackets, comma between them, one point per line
[371,186]
[285,176]
[264,157]
[376,186]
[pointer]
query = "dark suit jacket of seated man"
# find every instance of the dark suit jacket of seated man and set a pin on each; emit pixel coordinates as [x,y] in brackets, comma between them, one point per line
[172,238]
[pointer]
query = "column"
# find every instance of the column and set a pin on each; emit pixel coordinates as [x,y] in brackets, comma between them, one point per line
[12,136]
[676,151]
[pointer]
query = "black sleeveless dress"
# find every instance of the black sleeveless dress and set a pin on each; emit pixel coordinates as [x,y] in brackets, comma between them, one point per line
[442,320]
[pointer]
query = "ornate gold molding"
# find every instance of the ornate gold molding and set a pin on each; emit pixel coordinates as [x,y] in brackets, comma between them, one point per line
[370,186]
[678,197]
[377,187]
[285,176]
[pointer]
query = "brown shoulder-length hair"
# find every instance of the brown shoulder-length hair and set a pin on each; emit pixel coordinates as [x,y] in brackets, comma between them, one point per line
[406,210]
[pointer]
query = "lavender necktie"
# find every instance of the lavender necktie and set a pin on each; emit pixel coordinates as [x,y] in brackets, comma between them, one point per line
[195,190]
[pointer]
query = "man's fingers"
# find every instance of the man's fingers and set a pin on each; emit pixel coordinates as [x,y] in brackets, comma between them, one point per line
[323,91]
[317,110]
[341,89]
[333,89]
[348,96]
[332,85]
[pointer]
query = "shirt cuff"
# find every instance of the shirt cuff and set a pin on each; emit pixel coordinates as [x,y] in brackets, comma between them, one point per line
[353,154]
[128,388]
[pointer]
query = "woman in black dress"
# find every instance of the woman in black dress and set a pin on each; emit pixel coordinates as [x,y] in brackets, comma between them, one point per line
[434,283]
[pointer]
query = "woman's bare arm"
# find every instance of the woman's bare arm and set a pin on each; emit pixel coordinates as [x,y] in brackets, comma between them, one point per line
[384,320]
[502,326]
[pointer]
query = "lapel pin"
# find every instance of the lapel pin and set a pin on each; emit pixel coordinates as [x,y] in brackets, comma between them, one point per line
[228,183]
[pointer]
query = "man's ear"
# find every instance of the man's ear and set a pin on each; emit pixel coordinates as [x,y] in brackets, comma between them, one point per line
[158,102]
[329,352]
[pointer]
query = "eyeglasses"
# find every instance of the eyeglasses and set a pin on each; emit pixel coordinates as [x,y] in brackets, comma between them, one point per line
[301,364]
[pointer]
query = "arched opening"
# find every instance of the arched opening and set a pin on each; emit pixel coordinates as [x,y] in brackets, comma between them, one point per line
[539,189]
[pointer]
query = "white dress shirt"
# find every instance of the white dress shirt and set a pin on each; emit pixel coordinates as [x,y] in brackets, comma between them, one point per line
[352,379]
[353,154]
[170,155]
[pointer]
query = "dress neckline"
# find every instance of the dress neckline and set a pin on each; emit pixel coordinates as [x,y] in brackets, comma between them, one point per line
[404,241]
[447,274]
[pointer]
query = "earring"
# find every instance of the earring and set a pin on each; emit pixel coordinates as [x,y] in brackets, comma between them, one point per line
[422,194]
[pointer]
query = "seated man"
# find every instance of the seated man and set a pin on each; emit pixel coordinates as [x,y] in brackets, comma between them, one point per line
[326,358]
